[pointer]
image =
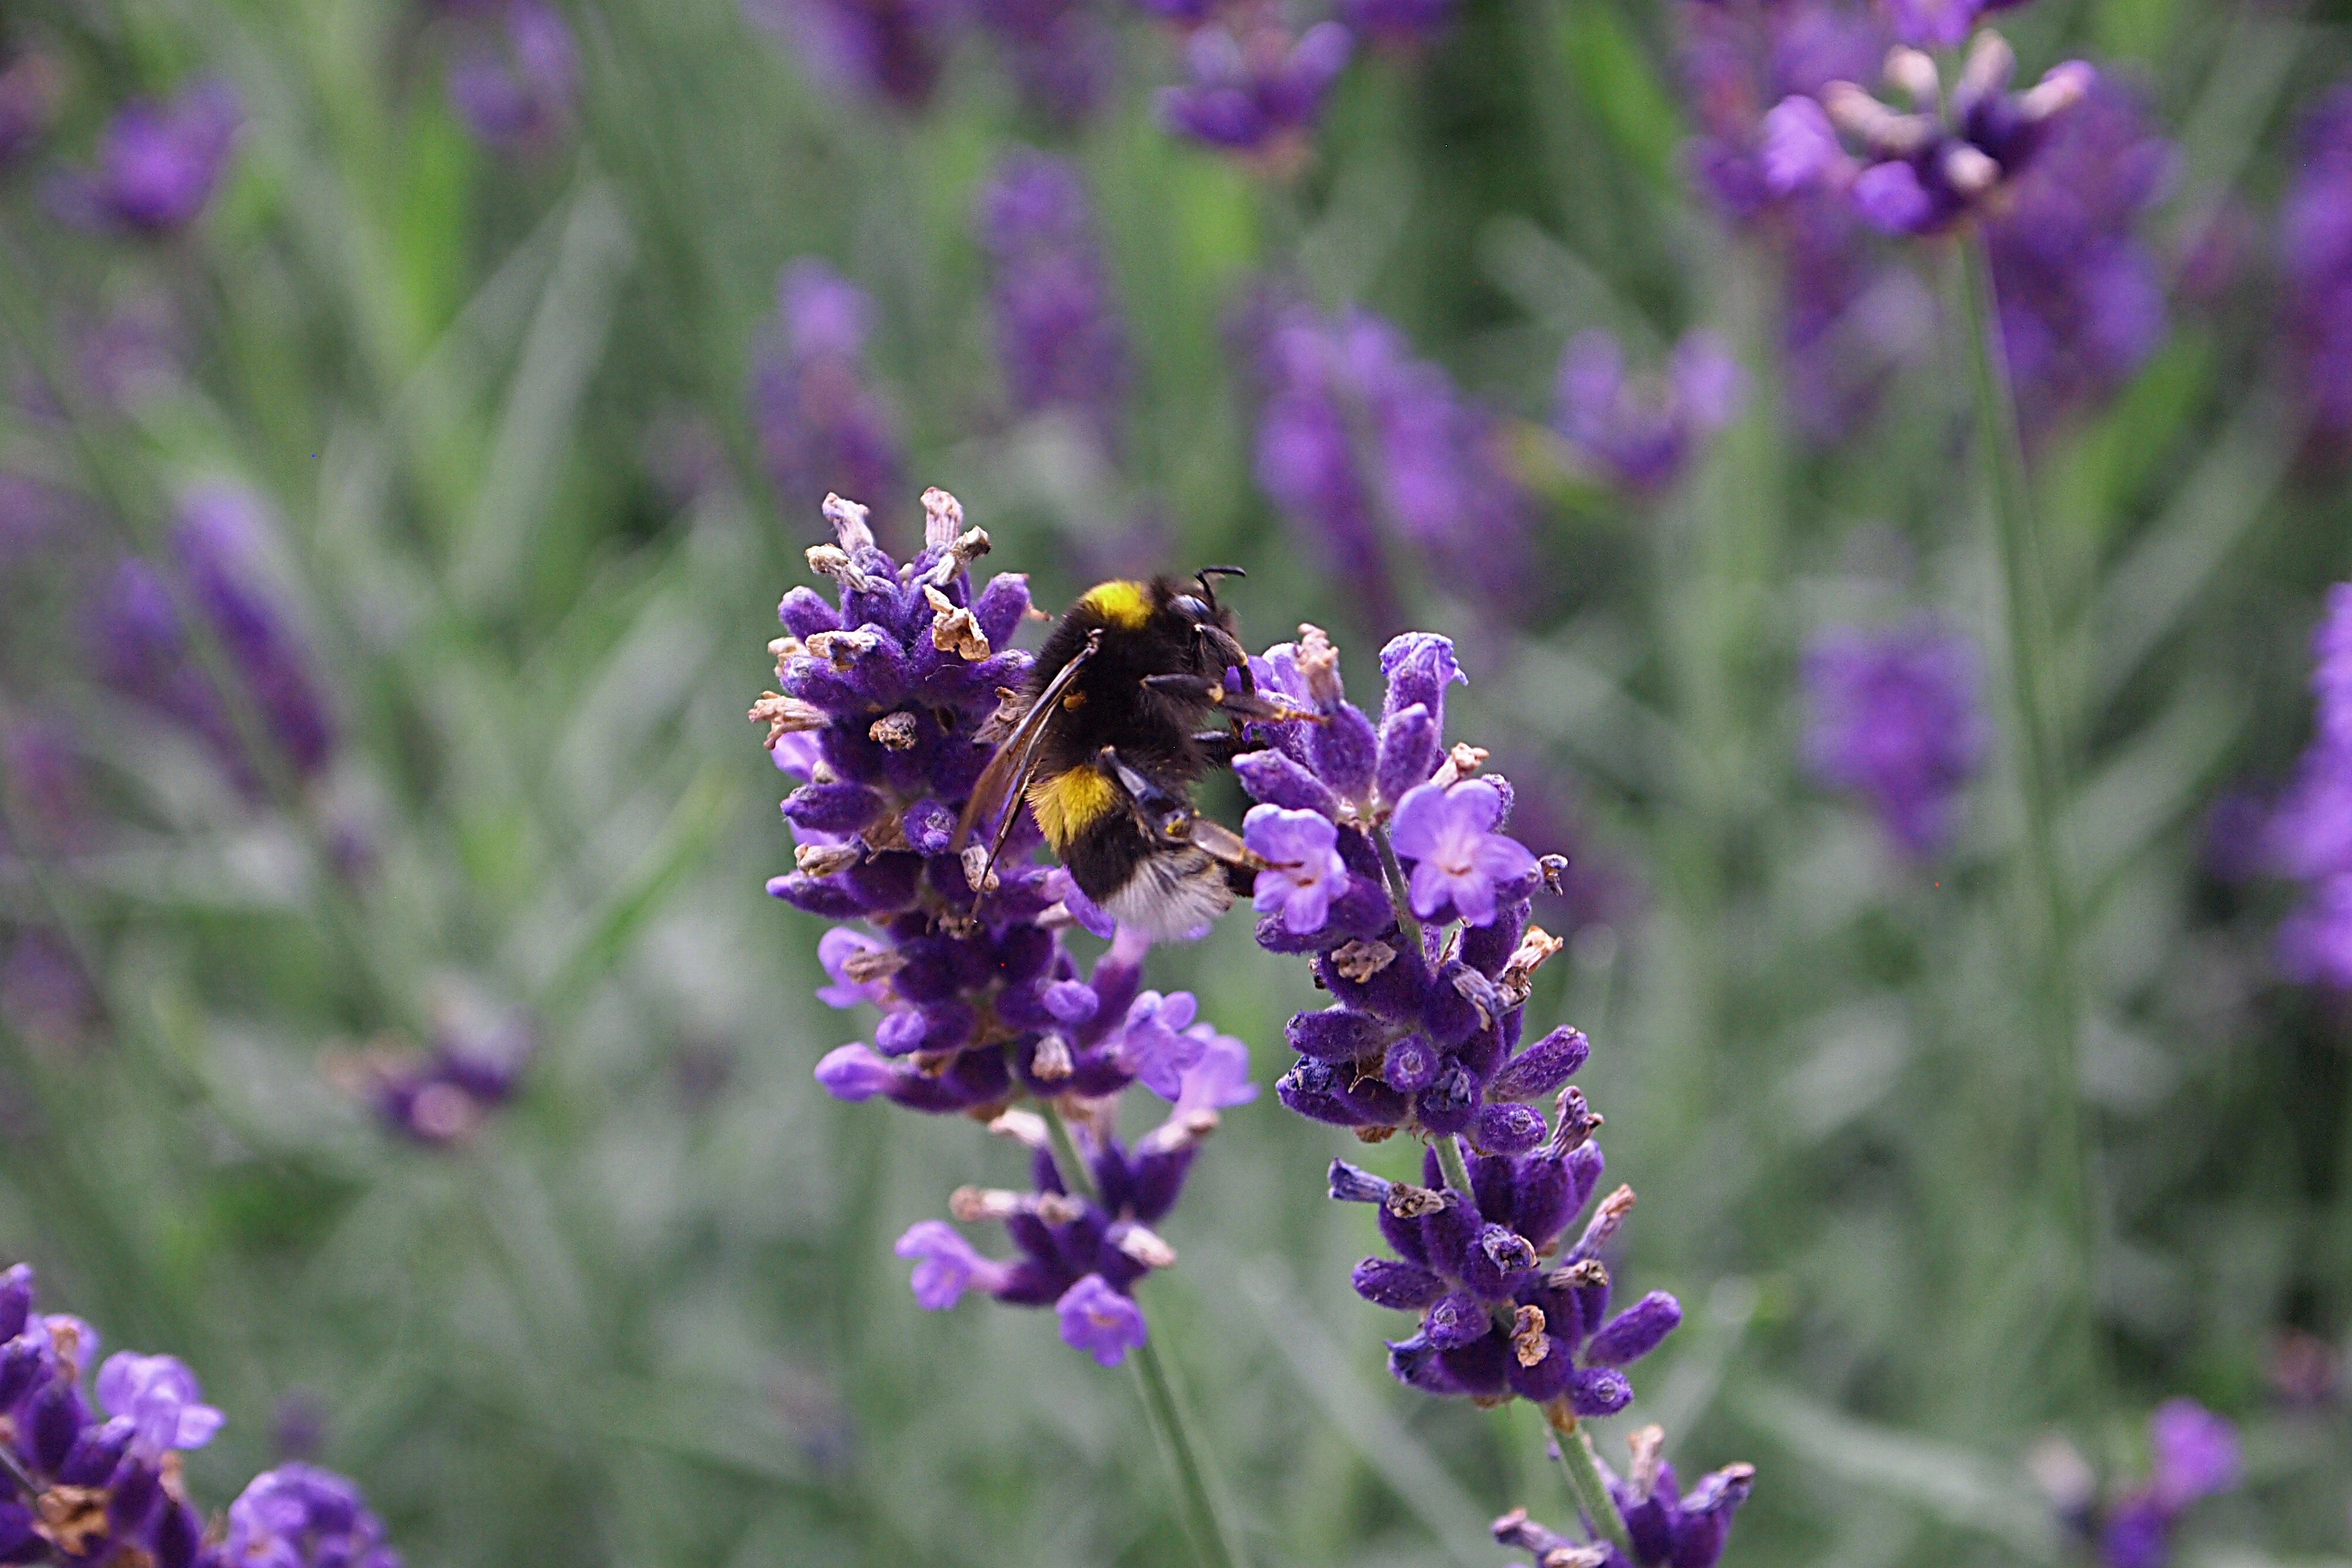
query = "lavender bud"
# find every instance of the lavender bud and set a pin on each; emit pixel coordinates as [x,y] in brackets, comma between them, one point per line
[1508,1129]
[1541,1067]
[1401,1286]
[1636,1331]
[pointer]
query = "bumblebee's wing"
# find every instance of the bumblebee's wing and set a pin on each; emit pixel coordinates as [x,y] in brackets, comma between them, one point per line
[1004,779]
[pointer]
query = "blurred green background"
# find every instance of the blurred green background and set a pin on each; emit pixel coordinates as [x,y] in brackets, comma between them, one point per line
[648,1314]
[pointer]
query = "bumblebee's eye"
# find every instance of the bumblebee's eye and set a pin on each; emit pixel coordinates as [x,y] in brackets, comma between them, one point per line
[1189,606]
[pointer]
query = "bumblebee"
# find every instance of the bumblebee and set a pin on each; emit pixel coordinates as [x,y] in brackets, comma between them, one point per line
[1110,740]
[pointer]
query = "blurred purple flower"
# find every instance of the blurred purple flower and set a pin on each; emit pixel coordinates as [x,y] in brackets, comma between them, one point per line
[2080,306]
[1358,440]
[1940,23]
[821,428]
[1645,436]
[159,1394]
[1738,61]
[514,75]
[442,1096]
[40,766]
[1058,335]
[43,994]
[2316,254]
[2193,1453]
[1062,53]
[1921,173]
[219,538]
[299,1516]
[1256,90]
[2310,834]
[157,164]
[886,49]
[1397,24]
[946,1265]
[28,103]
[142,649]
[1893,718]
[1099,1320]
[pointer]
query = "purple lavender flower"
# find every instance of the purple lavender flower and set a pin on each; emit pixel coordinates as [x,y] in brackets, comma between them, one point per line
[891,49]
[108,1488]
[2316,254]
[1458,860]
[219,537]
[1099,1320]
[1062,54]
[1895,719]
[1738,61]
[28,103]
[514,75]
[1940,23]
[821,428]
[442,1096]
[1920,173]
[1669,1528]
[160,1396]
[1644,437]
[142,646]
[45,996]
[2309,837]
[158,164]
[1307,870]
[1359,442]
[299,1516]
[1058,336]
[2081,307]
[1403,26]
[1255,89]
[884,695]
[2192,1455]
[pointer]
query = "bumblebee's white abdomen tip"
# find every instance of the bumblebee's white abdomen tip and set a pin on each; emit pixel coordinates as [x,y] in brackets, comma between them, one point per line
[1172,897]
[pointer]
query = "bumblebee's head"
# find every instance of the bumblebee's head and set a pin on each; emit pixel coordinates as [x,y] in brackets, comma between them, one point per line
[1210,626]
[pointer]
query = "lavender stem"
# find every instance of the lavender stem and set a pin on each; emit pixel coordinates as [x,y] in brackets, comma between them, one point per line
[1449,1160]
[1213,1540]
[2041,768]
[1574,1451]
[1395,873]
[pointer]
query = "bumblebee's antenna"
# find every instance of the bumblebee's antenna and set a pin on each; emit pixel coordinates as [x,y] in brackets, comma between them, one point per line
[1208,589]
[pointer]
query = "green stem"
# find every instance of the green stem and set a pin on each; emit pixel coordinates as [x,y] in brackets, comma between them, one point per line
[1212,1542]
[2043,782]
[1395,871]
[1212,1537]
[1574,1450]
[1449,1160]
[1075,1170]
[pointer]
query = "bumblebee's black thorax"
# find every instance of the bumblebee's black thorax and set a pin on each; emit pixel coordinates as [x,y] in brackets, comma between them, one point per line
[1108,704]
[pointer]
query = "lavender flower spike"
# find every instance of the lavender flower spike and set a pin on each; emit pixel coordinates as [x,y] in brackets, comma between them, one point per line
[1895,719]
[2315,255]
[821,428]
[885,714]
[514,78]
[1255,89]
[1644,438]
[158,164]
[1922,173]
[1668,1527]
[1057,331]
[108,1489]
[2309,837]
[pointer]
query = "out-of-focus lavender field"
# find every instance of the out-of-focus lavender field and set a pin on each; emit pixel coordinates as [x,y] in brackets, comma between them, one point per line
[412,411]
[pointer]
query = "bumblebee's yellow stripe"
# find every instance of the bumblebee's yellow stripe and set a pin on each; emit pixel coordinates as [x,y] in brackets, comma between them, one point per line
[1124,604]
[1068,802]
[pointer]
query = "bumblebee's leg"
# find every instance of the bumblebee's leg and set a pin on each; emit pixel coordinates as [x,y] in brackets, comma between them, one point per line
[1222,746]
